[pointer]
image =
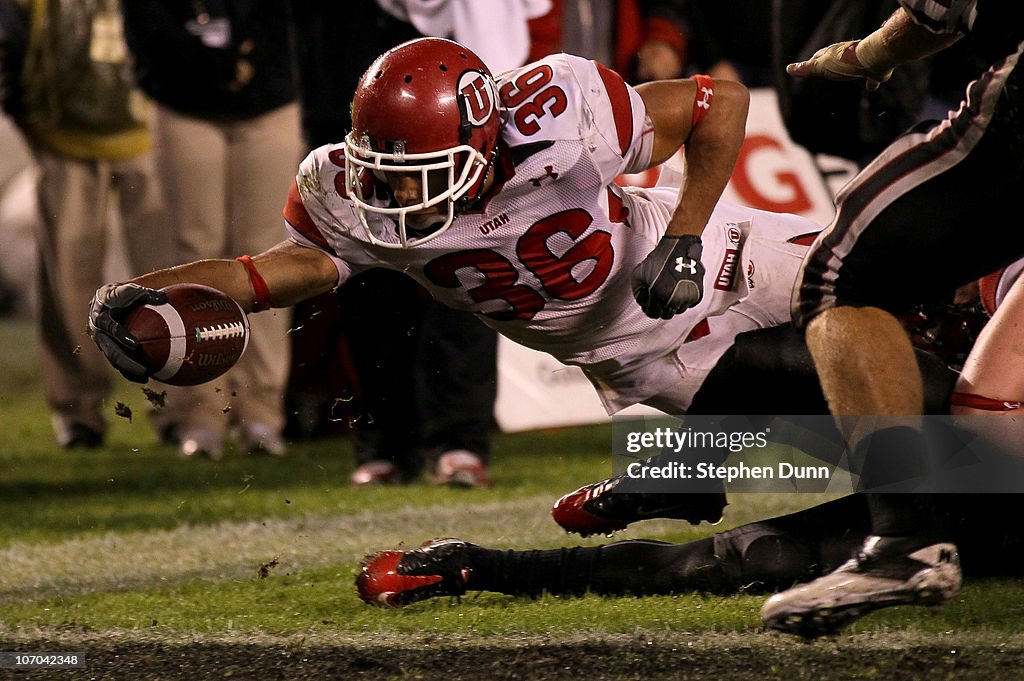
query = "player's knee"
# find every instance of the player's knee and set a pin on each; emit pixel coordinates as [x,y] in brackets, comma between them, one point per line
[865,362]
[776,561]
[760,557]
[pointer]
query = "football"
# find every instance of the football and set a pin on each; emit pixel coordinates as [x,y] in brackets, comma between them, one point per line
[196,336]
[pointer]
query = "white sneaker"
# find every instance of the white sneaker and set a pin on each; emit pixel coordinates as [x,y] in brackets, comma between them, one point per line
[883,573]
[259,438]
[376,472]
[461,468]
[201,441]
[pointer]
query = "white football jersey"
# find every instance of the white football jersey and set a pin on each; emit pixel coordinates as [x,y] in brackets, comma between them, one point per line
[547,260]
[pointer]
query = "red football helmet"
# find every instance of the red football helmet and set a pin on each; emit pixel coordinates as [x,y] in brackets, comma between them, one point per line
[429,108]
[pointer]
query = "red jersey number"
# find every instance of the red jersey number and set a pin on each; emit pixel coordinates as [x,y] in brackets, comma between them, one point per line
[545,100]
[337,157]
[499,281]
[557,274]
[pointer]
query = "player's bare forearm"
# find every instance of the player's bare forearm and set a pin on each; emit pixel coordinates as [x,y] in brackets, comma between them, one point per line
[711,147]
[228,276]
[711,154]
[905,40]
[292,273]
[900,39]
[710,129]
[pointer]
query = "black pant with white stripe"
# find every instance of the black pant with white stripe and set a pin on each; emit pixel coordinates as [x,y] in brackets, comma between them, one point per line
[939,208]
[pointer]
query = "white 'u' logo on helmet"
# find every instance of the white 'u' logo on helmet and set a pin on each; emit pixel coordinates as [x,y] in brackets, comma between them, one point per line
[481,96]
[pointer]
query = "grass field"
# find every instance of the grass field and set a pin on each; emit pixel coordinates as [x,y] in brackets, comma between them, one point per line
[150,566]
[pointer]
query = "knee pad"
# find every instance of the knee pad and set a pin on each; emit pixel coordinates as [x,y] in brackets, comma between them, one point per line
[761,557]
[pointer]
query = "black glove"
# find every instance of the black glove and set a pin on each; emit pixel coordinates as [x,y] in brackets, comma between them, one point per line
[107,310]
[671,277]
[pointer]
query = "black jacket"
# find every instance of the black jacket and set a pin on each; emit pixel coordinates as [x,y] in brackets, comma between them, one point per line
[180,69]
[337,41]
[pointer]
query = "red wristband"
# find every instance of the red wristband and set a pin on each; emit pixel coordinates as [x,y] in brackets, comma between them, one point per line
[702,103]
[958,399]
[261,291]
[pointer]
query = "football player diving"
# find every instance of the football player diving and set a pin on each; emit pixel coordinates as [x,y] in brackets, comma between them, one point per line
[499,197]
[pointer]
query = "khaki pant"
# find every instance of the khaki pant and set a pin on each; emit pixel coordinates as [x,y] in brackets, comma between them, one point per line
[76,245]
[226,184]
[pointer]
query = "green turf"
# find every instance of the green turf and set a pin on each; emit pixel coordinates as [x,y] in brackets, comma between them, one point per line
[132,542]
[322,600]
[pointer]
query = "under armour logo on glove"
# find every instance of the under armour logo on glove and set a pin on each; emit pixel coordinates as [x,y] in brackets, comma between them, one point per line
[688,264]
[671,278]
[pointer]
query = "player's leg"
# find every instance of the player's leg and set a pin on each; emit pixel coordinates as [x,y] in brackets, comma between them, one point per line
[902,234]
[992,380]
[968,521]
[989,394]
[746,380]
[755,557]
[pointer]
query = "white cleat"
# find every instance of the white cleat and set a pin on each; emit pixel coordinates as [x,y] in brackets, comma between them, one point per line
[881,575]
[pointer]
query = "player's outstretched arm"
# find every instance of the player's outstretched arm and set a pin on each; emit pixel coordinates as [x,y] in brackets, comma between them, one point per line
[280,277]
[290,273]
[900,39]
[708,119]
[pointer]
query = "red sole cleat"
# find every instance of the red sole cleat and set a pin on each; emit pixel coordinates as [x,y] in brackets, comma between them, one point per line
[379,583]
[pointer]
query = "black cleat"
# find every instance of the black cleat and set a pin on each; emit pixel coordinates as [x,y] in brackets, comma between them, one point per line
[396,578]
[597,509]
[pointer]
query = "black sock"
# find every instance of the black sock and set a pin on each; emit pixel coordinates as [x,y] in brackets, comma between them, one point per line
[906,515]
[531,573]
[892,459]
[893,463]
[634,567]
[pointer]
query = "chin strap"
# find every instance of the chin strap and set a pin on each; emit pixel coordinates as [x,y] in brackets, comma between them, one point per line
[467,202]
[973,401]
